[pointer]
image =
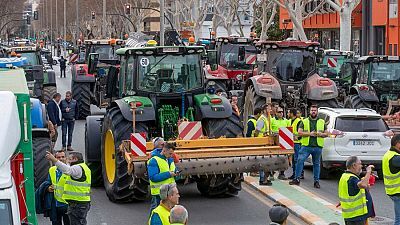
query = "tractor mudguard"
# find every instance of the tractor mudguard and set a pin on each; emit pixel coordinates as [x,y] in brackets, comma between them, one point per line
[265,85]
[49,78]
[216,74]
[319,88]
[367,93]
[38,114]
[221,109]
[144,112]
[40,132]
[93,138]
[80,74]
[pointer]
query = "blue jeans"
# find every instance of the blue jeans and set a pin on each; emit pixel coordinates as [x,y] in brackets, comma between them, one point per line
[304,153]
[295,157]
[396,201]
[155,201]
[67,125]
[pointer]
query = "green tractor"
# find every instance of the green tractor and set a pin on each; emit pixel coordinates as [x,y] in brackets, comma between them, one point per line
[157,88]
[41,80]
[375,80]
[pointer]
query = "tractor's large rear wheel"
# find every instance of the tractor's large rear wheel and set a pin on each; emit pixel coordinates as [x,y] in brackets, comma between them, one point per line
[355,102]
[220,185]
[230,127]
[119,186]
[251,102]
[49,92]
[82,94]
[40,164]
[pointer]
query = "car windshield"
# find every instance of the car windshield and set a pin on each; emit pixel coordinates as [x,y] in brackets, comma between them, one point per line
[5,212]
[360,124]
[31,58]
[385,71]
[290,64]
[169,73]
[233,56]
[105,51]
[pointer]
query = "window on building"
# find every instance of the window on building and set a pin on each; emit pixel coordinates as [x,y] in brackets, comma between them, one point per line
[395,49]
[390,49]
[146,26]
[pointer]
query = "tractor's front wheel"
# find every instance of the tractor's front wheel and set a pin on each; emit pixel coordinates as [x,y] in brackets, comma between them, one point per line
[41,166]
[82,94]
[49,92]
[220,185]
[119,185]
[355,102]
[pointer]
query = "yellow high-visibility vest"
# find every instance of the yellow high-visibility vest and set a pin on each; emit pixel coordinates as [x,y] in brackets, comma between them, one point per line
[78,190]
[352,206]
[58,185]
[163,167]
[306,128]
[294,126]
[163,213]
[265,128]
[391,181]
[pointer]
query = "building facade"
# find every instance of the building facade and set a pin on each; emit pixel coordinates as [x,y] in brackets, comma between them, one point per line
[376,20]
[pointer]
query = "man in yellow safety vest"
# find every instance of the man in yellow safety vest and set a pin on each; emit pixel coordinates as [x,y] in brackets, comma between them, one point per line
[77,186]
[252,122]
[58,216]
[312,132]
[169,195]
[161,170]
[295,119]
[277,122]
[391,175]
[354,197]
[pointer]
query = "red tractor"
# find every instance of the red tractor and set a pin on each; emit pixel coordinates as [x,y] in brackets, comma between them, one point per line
[287,75]
[236,57]
[90,88]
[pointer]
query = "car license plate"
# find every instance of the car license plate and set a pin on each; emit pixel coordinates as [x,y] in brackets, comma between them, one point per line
[363,142]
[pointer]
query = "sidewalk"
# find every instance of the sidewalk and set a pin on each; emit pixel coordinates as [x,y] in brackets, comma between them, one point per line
[302,203]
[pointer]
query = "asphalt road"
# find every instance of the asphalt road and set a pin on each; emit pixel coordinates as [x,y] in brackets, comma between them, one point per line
[248,207]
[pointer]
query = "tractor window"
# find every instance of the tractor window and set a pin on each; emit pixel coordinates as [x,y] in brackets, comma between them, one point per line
[129,74]
[5,212]
[233,56]
[105,51]
[31,58]
[385,71]
[290,64]
[169,73]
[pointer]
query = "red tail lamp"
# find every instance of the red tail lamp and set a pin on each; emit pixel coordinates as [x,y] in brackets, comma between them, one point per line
[265,80]
[216,101]
[324,82]
[364,88]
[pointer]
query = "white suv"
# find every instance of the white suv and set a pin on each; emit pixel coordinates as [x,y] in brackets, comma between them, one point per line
[359,132]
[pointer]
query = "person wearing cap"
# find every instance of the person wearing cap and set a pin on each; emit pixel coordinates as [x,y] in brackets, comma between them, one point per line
[278,214]
[169,195]
[277,122]
[161,170]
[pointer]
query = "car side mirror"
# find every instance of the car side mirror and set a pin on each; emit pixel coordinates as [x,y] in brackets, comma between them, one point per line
[212,59]
[93,60]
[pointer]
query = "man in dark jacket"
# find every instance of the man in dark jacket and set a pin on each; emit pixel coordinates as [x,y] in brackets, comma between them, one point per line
[63,63]
[54,113]
[69,110]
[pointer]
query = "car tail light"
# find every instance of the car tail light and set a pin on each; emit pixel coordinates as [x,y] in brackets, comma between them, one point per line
[216,101]
[364,88]
[324,82]
[265,80]
[337,134]
[388,134]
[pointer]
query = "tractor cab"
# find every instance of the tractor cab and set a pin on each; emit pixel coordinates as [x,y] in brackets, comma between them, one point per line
[289,61]
[31,53]
[106,48]
[332,62]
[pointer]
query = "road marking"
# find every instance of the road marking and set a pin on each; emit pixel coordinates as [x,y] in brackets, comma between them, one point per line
[292,218]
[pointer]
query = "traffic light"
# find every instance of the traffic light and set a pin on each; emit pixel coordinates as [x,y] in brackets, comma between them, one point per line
[128,9]
[35,15]
[28,19]
[93,15]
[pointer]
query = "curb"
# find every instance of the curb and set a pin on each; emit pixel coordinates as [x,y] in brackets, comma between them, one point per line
[297,210]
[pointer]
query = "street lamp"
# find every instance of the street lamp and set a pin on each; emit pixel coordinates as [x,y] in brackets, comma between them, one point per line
[209,31]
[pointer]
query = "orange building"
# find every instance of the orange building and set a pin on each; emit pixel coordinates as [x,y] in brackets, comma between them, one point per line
[377,20]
